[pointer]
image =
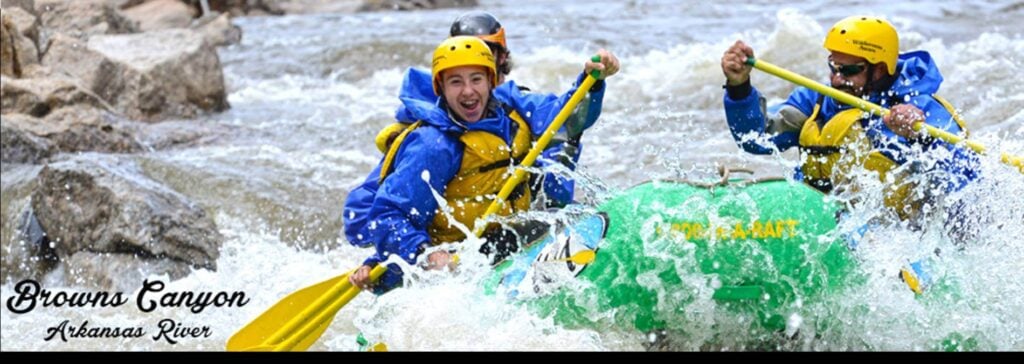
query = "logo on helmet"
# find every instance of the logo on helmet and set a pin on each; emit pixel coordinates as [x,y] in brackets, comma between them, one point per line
[868,47]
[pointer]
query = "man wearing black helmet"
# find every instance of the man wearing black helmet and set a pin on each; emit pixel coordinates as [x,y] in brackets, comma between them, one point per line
[485,26]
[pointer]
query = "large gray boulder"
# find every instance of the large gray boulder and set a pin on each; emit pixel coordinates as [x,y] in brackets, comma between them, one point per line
[19,258]
[105,205]
[161,14]
[40,96]
[29,139]
[82,18]
[148,76]
[27,24]
[84,129]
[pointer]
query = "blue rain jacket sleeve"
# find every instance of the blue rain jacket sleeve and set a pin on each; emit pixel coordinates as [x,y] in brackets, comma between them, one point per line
[356,214]
[748,122]
[558,188]
[404,205]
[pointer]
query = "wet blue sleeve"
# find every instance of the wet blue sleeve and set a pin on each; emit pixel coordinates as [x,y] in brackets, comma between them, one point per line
[357,210]
[405,205]
[559,189]
[745,117]
[960,166]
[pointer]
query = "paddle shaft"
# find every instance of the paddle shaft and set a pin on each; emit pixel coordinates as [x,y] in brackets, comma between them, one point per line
[871,107]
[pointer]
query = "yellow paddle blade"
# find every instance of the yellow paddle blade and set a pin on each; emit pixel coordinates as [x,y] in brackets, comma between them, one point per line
[298,320]
[583,257]
[273,320]
[311,330]
[911,280]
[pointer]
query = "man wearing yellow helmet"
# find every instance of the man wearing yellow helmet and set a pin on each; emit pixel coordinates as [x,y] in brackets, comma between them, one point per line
[554,189]
[833,138]
[461,148]
[550,189]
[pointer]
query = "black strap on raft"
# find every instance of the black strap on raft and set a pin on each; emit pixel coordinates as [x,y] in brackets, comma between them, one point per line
[820,184]
[821,150]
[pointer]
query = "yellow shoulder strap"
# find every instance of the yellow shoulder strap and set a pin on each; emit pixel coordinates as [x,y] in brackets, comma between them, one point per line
[517,118]
[810,130]
[385,167]
[956,115]
[387,136]
[814,114]
[523,127]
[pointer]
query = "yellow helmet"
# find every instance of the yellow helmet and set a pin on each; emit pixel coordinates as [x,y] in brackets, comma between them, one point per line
[869,37]
[462,51]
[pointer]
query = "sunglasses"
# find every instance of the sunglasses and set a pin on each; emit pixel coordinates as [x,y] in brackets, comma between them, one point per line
[847,70]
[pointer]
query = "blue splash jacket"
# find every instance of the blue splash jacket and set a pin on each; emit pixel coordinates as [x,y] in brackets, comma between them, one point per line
[394,216]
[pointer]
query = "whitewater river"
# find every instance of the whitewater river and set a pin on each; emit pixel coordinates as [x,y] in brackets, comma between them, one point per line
[309,92]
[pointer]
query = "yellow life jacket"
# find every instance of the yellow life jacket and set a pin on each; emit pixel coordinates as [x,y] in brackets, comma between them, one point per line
[485,169]
[831,152]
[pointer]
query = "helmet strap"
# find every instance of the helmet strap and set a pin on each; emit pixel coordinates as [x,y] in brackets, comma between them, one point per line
[869,84]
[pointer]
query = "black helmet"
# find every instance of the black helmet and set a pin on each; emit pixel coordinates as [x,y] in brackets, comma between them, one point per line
[481,25]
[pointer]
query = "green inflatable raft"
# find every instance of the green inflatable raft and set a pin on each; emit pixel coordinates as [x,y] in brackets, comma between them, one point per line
[760,250]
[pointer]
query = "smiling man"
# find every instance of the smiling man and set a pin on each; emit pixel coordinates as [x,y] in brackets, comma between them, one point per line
[835,139]
[463,147]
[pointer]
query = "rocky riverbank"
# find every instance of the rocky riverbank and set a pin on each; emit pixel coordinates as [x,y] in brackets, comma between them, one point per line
[86,85]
